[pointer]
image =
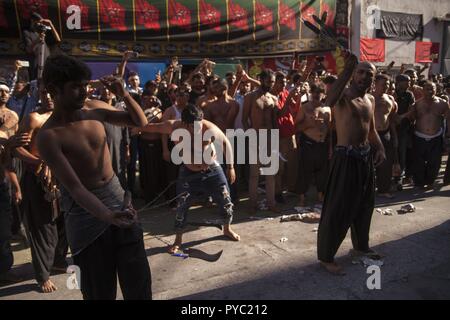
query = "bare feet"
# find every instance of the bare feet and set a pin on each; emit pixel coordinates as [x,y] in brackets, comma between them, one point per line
[48,286]
[177,244]
[173,249]
[230,233]
[333,268]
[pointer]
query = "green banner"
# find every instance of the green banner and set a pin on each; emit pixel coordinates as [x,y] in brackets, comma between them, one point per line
[171,27]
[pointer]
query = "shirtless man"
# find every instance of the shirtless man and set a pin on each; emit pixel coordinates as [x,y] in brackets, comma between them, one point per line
[260,112]
[314,121]
[8,118]
[173,113]
[414,88]
[103,235]
[349,197]
[40,203]
[6,171]
[209,96]
[385,124]
[223,111]
[429,114]
[200,179]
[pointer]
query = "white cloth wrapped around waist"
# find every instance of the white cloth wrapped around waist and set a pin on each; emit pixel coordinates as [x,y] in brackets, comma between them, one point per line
[428,137]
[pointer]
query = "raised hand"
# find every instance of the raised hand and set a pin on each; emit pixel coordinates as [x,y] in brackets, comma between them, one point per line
[115,85]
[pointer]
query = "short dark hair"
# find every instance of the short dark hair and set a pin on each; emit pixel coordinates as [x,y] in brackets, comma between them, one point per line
[279,76]
[191,113]
[317,87]
[198,75]
[382,76]
[296,77]
[330,79]
[402,78]
[132,74]
[267,73]
[223,82]
[60,69]
[229,73]
[211,78]
[150,83]
[429,82]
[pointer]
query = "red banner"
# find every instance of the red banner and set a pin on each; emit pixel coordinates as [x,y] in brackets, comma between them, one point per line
[425,51]
[372,50]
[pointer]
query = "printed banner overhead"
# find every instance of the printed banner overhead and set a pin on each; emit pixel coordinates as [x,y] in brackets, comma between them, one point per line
[171,27]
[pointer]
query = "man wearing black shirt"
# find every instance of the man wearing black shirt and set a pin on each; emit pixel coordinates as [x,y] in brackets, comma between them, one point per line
[405,99]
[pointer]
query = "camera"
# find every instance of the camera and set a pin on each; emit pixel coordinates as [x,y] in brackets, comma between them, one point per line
[40,28]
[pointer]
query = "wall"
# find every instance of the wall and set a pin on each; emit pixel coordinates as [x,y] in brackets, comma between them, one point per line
[404,51]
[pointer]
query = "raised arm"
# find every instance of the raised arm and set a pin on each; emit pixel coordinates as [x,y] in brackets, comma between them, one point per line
[55,33]
[234,88]
[247,110]
[293,97]
[27,126]
[133,117]
[165,127]
[122,65]
[339,85]
[247,78]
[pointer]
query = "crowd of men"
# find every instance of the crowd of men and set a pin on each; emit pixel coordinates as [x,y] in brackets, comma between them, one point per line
[70,146]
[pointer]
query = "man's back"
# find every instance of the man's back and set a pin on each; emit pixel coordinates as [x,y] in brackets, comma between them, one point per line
[262,110]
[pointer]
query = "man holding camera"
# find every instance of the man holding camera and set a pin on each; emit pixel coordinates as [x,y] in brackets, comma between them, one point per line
[39,43]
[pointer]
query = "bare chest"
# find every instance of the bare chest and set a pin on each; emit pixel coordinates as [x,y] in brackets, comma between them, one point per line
[83,139]
[265,103]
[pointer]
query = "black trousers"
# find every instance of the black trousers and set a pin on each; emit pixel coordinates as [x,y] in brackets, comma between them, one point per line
[116,253]
[313,164]
[45,229]
[405,154]
[447,171]
[349,202]
[384,170]
[427,160]
[152,176]
[131,168]
[6,256]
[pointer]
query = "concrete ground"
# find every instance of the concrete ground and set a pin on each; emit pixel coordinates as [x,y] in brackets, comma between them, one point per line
[415,247]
